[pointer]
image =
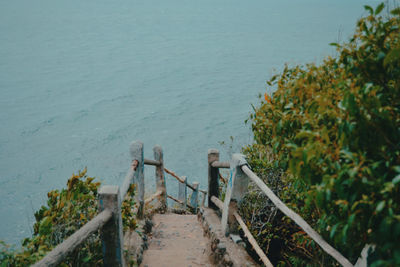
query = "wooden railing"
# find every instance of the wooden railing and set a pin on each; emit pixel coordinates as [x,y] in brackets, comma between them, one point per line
[183,195]
[109,221]
[237,186]
[110,198]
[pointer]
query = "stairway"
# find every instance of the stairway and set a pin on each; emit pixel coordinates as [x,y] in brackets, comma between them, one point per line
[177,240]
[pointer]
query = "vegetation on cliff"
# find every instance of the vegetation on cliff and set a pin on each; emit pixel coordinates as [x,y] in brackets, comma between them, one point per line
[328,142]
[67,211]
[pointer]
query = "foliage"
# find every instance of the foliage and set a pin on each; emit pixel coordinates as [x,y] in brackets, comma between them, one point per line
[285,243]
[334,130]
[67,211]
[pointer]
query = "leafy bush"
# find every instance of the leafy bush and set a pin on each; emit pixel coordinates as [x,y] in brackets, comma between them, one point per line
[67,211]
[334,130]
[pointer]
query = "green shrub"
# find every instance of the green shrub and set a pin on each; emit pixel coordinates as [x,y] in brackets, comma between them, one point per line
[334,129]
[67,211]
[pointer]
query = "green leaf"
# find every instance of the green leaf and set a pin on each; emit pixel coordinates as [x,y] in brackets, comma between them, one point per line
[87,258]
[344,233]
[351,219]
[304,135]
[368,8]
[392,58]
[396,179]
[45,226]
[332,233]
[396,168]
[381,55]
[395,11]
[380,206]
[379,8]
[328,194]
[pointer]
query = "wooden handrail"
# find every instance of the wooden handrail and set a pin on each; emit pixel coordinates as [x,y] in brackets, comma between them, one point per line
[221,164]
[182,181]
[174,199]
[110,199]
[174,175]
[180,202]
[150,199]
[54,257]
[237,187]
[127,183]
[152,162]
[246,231]
[295,217]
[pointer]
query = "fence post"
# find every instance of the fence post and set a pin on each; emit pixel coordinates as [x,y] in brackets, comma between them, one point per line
[203,200]
[160,177]
[111,233]
[136,150]
[235,189]
[182,194]
[195,196]
[213,176]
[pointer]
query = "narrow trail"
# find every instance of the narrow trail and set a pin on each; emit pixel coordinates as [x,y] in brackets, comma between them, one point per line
[177,240]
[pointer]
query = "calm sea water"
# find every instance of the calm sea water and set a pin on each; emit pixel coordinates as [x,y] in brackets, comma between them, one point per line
[80,80]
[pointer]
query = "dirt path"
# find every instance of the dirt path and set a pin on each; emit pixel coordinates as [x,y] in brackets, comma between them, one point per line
[177,240]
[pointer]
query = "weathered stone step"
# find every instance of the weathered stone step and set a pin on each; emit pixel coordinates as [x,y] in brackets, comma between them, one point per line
[177,240]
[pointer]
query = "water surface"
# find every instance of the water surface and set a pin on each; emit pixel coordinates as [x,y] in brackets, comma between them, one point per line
[80,80]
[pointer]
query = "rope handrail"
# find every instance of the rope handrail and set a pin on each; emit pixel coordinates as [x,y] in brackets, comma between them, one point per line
[55,256]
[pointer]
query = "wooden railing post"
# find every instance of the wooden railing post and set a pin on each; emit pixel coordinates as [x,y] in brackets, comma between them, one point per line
[160,177]
[195,196]
[111,233]
[203,200]
[235,189]
[182,194]
[136,150]
[213,176]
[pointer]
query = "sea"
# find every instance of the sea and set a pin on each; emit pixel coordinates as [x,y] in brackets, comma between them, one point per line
[81,79]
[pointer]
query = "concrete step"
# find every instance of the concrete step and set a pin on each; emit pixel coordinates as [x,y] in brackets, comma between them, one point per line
[176,240]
